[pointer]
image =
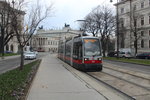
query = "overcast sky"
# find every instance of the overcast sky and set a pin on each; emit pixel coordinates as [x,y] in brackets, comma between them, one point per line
[68,11]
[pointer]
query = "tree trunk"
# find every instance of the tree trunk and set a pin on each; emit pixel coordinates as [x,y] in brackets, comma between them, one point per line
[104,53]
[22,58]
[135,46]
[2,42]
[135,42]
[104,48]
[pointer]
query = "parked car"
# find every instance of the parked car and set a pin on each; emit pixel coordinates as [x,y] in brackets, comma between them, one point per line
[123,54]
[143,55]
[30,55]
[35,52]
[8,52]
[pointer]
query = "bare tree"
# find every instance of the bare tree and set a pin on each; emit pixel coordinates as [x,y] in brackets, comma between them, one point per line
[108,27]
[91,25]
[135,29]
[101,21]
[6,32]
[24,31]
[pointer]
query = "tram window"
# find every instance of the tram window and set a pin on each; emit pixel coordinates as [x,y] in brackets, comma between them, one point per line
[68,50]
[77,50]
[80,51]
[91,47]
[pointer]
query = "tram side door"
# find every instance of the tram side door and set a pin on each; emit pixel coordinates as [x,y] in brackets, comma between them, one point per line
[80,52]
[77,53]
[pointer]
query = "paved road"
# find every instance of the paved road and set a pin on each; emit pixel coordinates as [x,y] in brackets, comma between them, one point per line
[134,67]
[12,63]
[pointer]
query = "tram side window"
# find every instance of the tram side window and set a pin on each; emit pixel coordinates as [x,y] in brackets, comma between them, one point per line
[80,51]
[68,50]
[77,50]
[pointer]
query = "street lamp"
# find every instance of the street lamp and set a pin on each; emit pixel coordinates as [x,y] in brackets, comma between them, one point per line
[84,29]
[13,2]
[117,23]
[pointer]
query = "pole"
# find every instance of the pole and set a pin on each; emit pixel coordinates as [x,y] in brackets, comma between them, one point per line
[117,31]
[84,30]
[13,2]
[130,22]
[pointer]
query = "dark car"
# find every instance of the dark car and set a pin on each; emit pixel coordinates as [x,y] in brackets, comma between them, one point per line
[8,52]
[143,56]
[112,54]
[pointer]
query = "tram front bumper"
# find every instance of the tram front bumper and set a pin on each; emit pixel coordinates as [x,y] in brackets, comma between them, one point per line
[92,67]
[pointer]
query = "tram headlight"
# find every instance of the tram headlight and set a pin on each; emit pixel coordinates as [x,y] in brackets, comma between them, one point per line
[99,58]
[85,59]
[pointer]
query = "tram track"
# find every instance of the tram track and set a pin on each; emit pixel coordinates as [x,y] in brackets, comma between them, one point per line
[131,78]
[110,86]
[109,92]
[129,84]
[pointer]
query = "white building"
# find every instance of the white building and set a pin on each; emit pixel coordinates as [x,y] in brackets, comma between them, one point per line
[48,40]
[130,13]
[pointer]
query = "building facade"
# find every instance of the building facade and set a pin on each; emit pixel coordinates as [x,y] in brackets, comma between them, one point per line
[5,8]
[134,24]
[48,40]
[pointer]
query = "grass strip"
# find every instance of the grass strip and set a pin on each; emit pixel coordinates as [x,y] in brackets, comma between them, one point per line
[131,60]
[9,54]
[13,83]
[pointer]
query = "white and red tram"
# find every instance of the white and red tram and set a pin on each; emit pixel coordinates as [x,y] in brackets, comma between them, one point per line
[83,53]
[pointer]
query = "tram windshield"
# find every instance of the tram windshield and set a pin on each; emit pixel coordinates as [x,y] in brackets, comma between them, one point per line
[92,47]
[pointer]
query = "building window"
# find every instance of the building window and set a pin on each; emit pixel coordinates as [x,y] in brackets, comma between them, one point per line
[142,4]
[149,19]
[134,8]
[142,33]
[142,43]
[122,10]
[121,22]
[12,48]
[149,43]
[135,22]
[142,21]
[7,47]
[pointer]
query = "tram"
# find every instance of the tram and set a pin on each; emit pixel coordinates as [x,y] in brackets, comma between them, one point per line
[83,53]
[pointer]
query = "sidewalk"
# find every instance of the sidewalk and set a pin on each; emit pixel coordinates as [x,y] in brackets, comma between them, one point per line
[54,82]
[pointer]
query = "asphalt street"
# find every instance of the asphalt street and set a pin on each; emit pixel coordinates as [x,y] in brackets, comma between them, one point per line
[9,64]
